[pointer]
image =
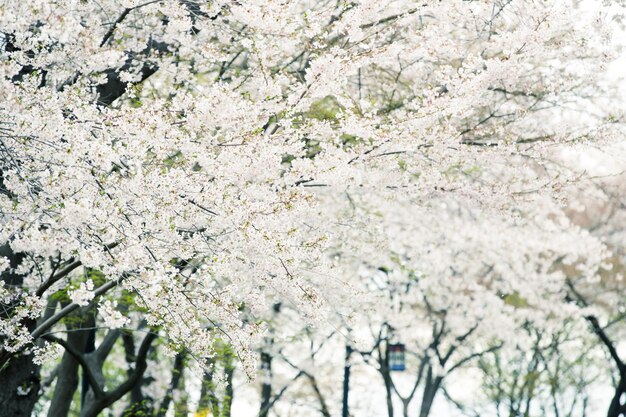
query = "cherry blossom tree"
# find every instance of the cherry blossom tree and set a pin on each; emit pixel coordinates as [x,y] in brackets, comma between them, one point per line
[176,166]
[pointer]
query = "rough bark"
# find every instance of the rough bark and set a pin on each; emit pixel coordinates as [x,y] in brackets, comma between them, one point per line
[19,382]
[96,402]
[67,378]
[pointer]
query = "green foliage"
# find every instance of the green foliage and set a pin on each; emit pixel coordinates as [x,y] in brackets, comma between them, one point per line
[61,296]
[312,148]
[325,109]
[456,170]
[515,300]
[287,158]
[393,105]
[349,141]
[174,160]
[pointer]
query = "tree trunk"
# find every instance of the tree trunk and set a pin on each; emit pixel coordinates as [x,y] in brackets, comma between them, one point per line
[137,404]
[345,410]
[90,346]
[177,372]
[96,403]
[318,393]
[384,370]
[616,408]
[67,379]
[266,388]
[405,407]
[208,400]
[230,392]
[430,391]
[19,387]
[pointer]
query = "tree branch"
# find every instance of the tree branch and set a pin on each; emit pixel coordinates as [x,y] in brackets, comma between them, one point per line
[91,378]
[43,327]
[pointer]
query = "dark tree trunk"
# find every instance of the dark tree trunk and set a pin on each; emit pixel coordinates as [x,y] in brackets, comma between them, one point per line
[67,378]
[345,409]
[177,372]
[138,405]
[228,399]
[90,346]
[430,391]
[266,365]
[266,388]
[96,403]
[617,408]
[405,407]
[208,399]
[384,369]
[19,387]
[318,393]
